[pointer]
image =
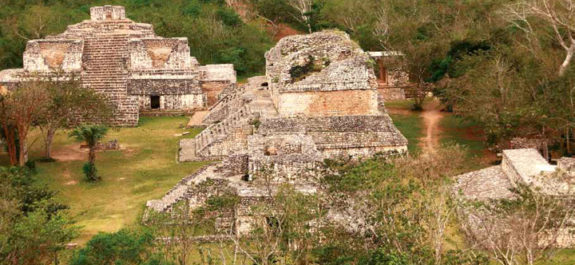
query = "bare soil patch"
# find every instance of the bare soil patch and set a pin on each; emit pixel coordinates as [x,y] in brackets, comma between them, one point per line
[284,30]
[70,153]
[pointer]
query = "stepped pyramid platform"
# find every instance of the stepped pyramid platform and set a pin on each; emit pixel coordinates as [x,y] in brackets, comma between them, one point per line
[285,124]
[138,71]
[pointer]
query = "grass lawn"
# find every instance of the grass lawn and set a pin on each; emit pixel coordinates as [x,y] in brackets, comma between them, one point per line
[411,126]
[144,169]
[457,130]
[408,122]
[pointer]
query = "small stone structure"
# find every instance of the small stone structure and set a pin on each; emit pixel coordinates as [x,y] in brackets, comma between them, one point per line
[318,101]
[137,70]
[519,167]
[392,78]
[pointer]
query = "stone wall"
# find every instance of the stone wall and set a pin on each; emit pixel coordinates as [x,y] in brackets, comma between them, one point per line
[335,59]
[173,102]
[164,85]
[392,93]
[107,12]
[213,89]
[333,103]
[342,136]
[160,53]
[53,55]
[218,72]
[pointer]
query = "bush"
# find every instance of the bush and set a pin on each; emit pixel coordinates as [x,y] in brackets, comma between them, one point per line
[122,247]
[91,172]
[31,165]
[229,17]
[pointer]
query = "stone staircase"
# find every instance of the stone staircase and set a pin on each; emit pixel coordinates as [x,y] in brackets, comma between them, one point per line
[180,191]
[196,149]
[105,70]
[221,108]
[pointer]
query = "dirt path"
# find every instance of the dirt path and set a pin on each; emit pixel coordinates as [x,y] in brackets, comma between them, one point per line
[431,116]
[70,153]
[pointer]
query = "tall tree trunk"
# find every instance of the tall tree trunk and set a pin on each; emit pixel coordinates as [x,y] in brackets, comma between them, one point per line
[567,61]
[48,142]
[10,137]
[92,155]
[23,156]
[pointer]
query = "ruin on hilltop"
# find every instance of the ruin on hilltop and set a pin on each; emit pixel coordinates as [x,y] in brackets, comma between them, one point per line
[137,70]
[317,101]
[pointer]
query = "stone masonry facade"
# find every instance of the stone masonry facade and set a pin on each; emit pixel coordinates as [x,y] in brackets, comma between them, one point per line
[124,60]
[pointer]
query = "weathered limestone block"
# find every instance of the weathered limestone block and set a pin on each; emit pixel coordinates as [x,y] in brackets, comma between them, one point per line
[332,103]
[160,53]
[53,55]
[107,13]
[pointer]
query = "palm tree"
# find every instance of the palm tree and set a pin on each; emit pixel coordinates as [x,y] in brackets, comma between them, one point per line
[91,134]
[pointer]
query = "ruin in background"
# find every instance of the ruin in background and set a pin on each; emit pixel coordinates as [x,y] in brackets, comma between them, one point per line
[519,168]
[137,70]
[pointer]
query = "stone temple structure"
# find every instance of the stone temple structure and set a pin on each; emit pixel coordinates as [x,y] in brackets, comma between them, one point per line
[524,167]
[127,62]
[317,101]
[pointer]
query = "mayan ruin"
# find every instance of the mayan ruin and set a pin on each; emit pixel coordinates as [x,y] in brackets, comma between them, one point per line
[318,101]
[125,60]
[287,132]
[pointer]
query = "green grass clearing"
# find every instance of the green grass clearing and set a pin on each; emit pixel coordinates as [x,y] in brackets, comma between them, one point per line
[411,126]
[145,168]
[457,130]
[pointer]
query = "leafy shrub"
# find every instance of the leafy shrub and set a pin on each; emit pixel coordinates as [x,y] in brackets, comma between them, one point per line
[91,172]
[122,247]
[229,17]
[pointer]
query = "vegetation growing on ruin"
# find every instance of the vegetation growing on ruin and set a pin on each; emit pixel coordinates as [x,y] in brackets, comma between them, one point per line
[300,72]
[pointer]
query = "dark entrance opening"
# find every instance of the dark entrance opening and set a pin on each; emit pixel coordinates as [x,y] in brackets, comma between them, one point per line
[155,102]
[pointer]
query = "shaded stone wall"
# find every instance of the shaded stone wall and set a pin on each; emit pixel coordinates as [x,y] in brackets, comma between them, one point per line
[173,102]
[165,85]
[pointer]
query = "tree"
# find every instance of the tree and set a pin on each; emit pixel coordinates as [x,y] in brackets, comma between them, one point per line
[8,133]
[21,109]
[557,14]
[304,7]
[91,135]
[521,230]
[69,103]
[33,226]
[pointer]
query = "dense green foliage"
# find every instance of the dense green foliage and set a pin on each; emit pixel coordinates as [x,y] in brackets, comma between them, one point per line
[215,32]
[33,226]
[123,247]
